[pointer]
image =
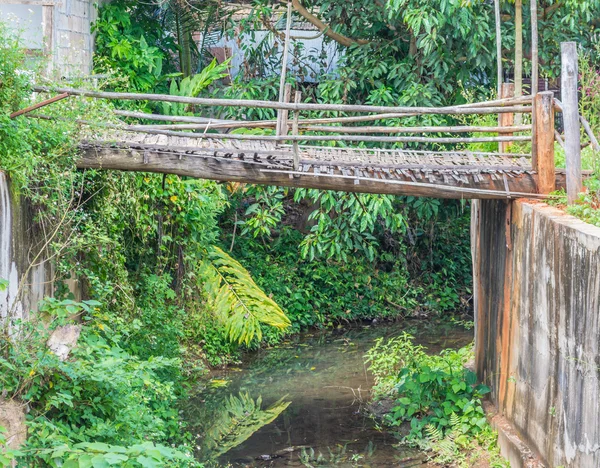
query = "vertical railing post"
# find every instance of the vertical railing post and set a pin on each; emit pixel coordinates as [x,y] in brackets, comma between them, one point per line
[506,119]
[543,107]
[295,132]
[570,105]
[284,60]
[282,129]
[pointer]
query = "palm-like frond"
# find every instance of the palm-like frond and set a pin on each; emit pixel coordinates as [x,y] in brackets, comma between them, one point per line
[237,300]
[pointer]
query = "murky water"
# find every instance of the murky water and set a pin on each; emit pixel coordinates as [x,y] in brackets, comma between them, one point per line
[302,404]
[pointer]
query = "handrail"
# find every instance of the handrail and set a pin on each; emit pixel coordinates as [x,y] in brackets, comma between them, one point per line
[508,106]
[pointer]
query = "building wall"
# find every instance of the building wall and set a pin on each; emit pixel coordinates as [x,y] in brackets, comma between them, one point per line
[62,30]
[537,307]
[316,56]
[74,41]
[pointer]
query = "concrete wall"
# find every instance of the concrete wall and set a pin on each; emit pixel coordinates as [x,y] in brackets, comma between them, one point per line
[29,276]
[63,26]
[537,306]
[74,41]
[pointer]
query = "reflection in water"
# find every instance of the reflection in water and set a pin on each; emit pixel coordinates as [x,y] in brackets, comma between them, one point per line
[236,420]
[313,389]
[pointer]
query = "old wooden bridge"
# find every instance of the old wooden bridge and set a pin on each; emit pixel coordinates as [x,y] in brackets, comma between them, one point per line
[290,151]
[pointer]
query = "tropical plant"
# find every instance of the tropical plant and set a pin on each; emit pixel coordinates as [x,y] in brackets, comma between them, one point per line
[236,299]
[191,86]
[128,48]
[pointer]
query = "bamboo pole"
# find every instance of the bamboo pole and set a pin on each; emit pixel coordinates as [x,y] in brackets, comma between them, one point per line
[383,129]
[220,123]
[169,118]
[289,106]
[559,139]
[284,60]
[284,114]
[342,138]
[38,105]
[355,130]
[570,106]
[590,133]
[297,98]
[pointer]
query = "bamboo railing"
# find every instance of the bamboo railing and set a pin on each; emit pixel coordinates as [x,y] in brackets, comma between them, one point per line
[294,130]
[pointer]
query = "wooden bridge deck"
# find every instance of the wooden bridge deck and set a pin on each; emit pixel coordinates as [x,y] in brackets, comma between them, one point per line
[449,174]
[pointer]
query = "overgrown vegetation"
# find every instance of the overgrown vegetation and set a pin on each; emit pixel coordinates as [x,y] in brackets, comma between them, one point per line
[437,401]
[151,251]
[142,246]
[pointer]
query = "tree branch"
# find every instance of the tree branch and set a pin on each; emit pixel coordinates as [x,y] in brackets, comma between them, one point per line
[551,9]
[324,28]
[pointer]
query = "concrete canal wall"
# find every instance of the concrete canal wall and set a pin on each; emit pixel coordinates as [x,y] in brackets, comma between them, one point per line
[537,307]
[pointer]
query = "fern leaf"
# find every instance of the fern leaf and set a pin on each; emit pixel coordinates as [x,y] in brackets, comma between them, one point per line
[237,300]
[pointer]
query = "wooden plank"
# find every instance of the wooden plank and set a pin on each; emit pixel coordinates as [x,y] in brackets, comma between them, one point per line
[570,105]
[544,134]
[241,171]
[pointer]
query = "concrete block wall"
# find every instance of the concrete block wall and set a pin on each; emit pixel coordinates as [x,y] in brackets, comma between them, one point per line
[537,307]
[74,42]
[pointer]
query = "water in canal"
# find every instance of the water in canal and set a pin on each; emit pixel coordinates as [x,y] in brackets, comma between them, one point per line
[303,403]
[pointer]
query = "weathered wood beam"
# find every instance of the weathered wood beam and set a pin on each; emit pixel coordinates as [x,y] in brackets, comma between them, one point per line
[544,137]
[39,105]
[570,106]
[242,171]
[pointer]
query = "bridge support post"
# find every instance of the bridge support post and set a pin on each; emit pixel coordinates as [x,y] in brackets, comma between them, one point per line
[543,135]
[570,104]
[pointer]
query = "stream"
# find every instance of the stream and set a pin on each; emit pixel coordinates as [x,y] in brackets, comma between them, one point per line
[302,403]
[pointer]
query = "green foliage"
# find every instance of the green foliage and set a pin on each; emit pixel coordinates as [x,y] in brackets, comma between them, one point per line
[124,47]
[345,223]
[97,454]
[429,389]
[325,292]
[101,393]
[7,455]
[387,358]
[238,301]
[437,398]
[191,86]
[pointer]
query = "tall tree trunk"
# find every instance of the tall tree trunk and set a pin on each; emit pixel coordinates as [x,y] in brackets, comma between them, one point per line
[498,45]
[534,48]
[518,54]
[184,41]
